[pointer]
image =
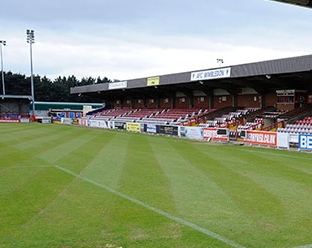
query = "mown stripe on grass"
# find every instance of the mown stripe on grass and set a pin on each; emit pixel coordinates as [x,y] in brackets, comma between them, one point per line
[142,175]
[288,179]
[65,146]
[13,179]
[86,154]
[26,198]
[24,146]
[43,137]
[9,132]
[108,157]
[220,168]
[291,189]
[196,196]
[232,198]
[156,210]
[225,169]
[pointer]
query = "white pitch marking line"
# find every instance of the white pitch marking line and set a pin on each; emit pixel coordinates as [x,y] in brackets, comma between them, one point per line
[158,211]
[304,246]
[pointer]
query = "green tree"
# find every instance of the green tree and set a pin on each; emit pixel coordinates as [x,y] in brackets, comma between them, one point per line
[47,90]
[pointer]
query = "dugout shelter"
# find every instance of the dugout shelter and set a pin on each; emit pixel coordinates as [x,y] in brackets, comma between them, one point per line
[63,109]
[14,106]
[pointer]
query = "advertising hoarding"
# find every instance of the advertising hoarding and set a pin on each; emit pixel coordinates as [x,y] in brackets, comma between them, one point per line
[216,134]
[260,138]
[305,141]
[169,130]
[133,127]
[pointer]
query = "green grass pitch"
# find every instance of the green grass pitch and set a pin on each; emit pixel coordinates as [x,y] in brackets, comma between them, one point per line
[66,186]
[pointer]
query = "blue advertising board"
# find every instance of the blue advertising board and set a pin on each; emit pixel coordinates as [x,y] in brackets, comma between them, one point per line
[305,141]
[151,128]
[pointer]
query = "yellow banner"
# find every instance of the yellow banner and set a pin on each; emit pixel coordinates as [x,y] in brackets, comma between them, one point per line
[153,81]
[133,127]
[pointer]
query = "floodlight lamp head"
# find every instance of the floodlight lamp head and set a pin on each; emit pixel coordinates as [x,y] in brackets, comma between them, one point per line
[30,31]
[3,42]
[30,36]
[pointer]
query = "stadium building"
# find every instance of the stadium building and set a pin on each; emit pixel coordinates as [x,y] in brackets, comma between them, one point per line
[282,85]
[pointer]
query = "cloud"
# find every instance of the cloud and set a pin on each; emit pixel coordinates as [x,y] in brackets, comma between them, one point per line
[132,39]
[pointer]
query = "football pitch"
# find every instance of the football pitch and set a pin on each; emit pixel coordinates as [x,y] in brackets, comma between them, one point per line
[69,186]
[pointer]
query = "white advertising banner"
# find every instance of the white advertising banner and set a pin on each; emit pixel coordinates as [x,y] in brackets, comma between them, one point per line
[196,133]
[46,120]
[216,134]
[66,121]
[283,140]
[99,123]
[211,74]
[117,85]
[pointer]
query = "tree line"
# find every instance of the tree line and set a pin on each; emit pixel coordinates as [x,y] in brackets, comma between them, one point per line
[47,90]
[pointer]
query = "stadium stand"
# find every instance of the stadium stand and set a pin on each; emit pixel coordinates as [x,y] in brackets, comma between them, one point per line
[231,118]
[175,116]
[303,126]
[156,116]
[237,120]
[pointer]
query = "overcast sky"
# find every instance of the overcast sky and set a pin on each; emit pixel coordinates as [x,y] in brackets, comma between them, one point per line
[126,39]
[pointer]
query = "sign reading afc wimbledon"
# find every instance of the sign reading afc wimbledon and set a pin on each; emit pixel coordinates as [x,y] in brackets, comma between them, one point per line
[211,74]
[305,142]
